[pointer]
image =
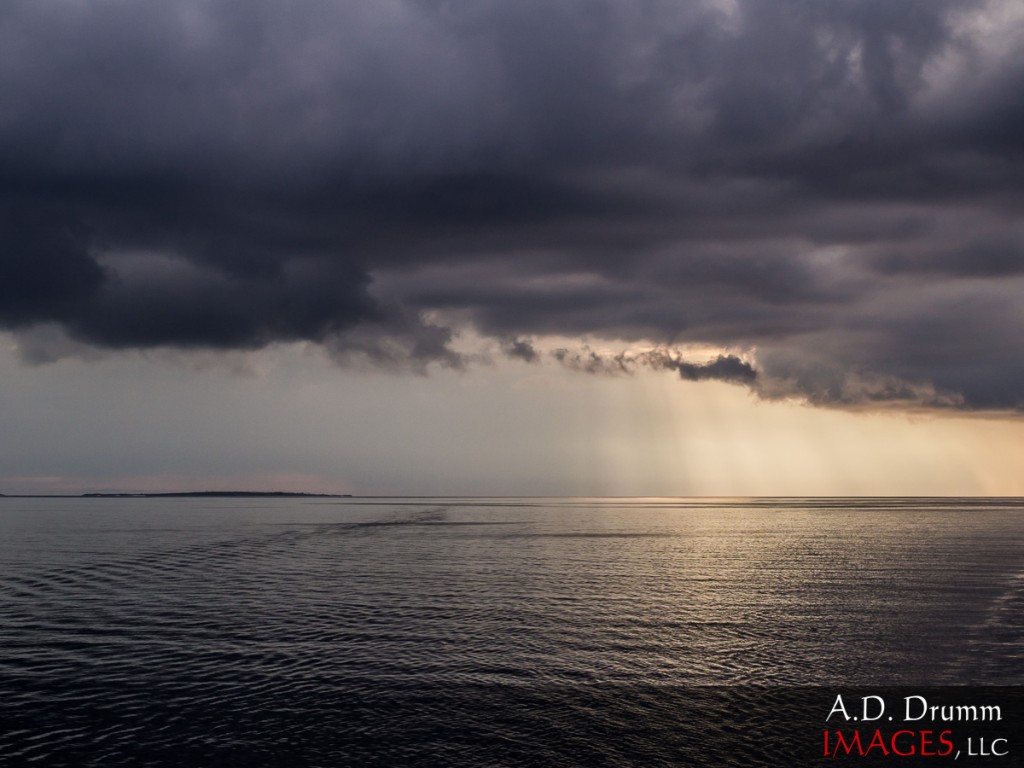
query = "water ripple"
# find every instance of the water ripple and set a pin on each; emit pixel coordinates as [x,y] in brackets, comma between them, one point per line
[293,633]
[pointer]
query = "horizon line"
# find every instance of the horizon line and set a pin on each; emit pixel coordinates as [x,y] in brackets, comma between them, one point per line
[313,494]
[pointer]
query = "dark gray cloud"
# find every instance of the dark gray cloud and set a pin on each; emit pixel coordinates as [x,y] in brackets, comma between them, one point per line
[1000,253]
[832,188]
[727,368]
[520,349]
[48,271]
[587,360]
[723,368]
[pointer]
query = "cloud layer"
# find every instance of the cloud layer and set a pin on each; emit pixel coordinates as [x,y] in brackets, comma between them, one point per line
[830,193]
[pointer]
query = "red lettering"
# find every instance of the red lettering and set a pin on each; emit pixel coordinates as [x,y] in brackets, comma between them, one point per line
[925,743]
[901,743]
[848,746]
[945,741]
[896,749]
[877,742]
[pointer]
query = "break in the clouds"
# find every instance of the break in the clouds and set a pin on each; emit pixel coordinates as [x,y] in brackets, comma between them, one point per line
[830,193]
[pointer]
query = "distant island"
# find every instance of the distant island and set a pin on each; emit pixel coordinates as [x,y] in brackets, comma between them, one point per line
[216,495]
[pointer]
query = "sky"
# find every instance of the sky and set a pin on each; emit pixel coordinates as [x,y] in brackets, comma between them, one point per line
[644,247]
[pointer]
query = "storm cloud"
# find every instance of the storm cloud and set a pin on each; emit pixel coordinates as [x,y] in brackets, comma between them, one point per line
[727,368]
[828,193]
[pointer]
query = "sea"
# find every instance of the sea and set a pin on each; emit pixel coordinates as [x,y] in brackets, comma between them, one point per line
[330,631]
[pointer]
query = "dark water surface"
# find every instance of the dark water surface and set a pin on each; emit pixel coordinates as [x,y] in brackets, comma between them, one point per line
[480,631]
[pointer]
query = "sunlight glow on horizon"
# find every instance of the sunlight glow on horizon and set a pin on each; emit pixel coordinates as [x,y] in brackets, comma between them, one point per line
[297,422]
[718,439]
